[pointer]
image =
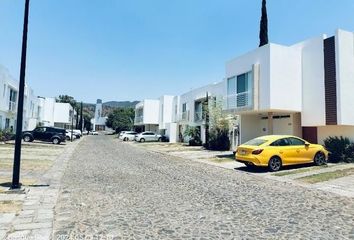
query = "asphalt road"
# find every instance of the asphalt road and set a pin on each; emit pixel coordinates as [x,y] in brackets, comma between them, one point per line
[114,190]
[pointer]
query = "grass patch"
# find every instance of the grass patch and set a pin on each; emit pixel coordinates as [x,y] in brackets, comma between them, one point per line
[302,170]
[10,206]
[322,177]
[40,165]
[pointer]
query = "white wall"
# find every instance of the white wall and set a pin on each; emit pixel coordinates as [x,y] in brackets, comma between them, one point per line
[332,131]
[165,110]
[151,111]
[313,85]
[345,77]
[285,79]
[62,113]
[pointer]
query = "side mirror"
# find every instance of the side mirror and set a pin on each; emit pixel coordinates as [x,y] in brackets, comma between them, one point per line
[307,144]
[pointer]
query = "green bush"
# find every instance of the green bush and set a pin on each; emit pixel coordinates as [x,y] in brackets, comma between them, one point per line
[194,134]
[340,148]
[218,140]
[6,135]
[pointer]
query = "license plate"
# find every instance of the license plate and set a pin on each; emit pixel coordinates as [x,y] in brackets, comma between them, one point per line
[243,152]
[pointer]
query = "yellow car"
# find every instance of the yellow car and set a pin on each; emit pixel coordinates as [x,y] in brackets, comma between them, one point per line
[275,151]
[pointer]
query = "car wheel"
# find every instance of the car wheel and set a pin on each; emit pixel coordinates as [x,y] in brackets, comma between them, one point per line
[142,140]
[125,139]
[319,159]
[274,164]
[67,138]
[27,139]
[160,140]
[56,141]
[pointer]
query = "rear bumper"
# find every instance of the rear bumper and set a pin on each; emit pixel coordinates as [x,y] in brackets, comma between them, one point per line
[250,161]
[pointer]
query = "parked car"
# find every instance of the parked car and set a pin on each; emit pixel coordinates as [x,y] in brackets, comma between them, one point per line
[128,136]
[93,133]
[275,151]
[47,134]
[148,137]
[68,135]
[121,133]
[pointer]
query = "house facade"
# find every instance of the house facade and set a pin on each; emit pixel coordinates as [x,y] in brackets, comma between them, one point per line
[147,115]
[302,90]
[54,114]
[9,103]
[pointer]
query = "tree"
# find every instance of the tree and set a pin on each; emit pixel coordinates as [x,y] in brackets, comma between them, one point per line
[263,33]
[67,99]
[219,126]
[121,119]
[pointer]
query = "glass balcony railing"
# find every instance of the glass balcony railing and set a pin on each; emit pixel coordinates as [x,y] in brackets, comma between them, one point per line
[12,106]
[242,100]
[139,119]
[198,116]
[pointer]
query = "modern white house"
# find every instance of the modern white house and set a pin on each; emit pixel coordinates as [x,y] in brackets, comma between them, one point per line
[54,114]
[98,122]
[191,110]
[303,90]
[147,115]
[9,103]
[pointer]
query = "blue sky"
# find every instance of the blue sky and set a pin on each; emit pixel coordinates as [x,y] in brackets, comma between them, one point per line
[135,49]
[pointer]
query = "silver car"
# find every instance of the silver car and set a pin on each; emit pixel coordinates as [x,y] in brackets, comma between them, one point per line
[148,137]
[127,136]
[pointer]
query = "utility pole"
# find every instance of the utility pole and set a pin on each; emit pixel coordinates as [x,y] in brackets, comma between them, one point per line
[81,117]
[17,156]
[72,124]
[207,120]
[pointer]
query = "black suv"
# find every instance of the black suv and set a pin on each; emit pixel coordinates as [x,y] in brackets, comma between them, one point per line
[47,134]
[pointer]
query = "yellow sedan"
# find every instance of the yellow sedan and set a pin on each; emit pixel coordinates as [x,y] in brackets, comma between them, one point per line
[275,151]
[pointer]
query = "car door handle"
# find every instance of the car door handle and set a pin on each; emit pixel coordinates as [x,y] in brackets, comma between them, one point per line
[281,152]
[298,150]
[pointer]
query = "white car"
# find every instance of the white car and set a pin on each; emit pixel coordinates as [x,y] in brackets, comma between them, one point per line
[148,137]
[68,135]
[93,133]
[127,136]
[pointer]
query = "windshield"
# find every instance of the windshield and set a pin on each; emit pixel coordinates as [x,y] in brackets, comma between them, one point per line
[256,142]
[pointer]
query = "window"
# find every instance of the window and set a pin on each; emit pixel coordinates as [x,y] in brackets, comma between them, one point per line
[239,90]
[280,143]
[256,142]
[184,107]
[0,122]
[296,142]
[13,95]
[7,123]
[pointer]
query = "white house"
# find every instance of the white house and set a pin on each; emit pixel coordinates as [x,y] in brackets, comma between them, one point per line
[54,114]
[304,89]
[9,103]
[99,122]
[190,107]
[147,115]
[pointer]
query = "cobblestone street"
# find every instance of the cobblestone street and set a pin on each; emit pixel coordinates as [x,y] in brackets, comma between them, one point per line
[113,189]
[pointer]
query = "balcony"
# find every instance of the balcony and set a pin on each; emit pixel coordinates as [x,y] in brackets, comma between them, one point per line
[12,106]
[139,119]
[198,116]
[239,101]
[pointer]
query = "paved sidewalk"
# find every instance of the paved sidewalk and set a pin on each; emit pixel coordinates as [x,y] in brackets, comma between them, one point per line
[35,219]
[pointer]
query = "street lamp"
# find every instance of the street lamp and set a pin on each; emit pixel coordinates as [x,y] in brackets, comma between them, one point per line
[17,156]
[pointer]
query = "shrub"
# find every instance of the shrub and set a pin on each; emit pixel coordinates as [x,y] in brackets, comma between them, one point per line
[6,135]
[340,148]
[218,140]
[194,134]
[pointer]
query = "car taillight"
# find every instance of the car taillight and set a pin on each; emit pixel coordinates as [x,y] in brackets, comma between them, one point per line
[256,152]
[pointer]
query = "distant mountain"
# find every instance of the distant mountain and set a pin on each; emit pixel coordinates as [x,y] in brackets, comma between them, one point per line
[116,104]
[109,106]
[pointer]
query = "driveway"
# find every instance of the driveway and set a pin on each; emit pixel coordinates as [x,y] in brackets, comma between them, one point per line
[111,189]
